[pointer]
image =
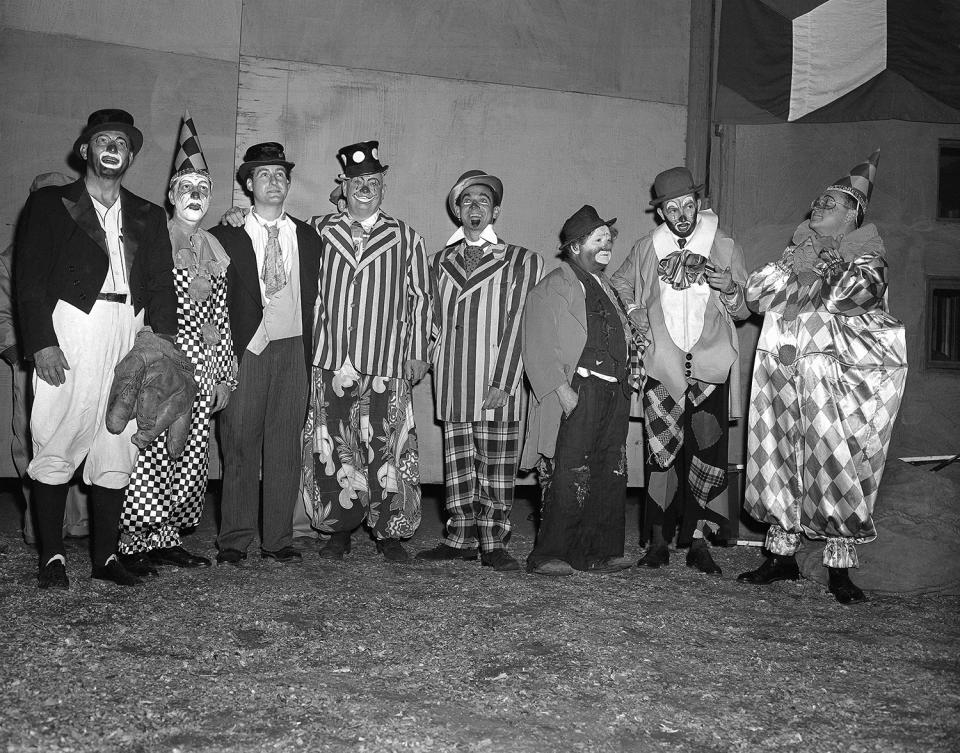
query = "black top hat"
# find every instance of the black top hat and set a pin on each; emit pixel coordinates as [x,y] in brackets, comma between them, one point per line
[583,222]
[677,181]
[267,153]
[473,178]
[110,120]
[361,159]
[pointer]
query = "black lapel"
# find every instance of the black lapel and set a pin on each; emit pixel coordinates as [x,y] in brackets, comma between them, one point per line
[134,225]
[79,206]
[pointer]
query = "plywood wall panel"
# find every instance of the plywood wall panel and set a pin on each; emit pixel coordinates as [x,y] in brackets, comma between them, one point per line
[620,48]
[61,81]
[555,151]
[206,29]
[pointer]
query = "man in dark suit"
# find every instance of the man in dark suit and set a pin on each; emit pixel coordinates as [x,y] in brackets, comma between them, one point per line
[271,291]
[92,267]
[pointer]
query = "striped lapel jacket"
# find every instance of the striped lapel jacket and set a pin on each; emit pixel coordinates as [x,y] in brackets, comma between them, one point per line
[375,309]
[477,329]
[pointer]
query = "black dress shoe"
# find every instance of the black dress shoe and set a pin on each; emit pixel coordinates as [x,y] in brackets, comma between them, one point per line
[500,560]
[177,556]
[392,550]
[337,546]
[657,555]
[699,557]
[775,567]
[230,557]
[138,563]
[446,552]
[286,555]
[844,589]
[53,575]
[115,572]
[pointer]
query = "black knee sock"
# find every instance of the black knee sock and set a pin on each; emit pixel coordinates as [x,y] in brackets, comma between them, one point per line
[49,503]
[105,508]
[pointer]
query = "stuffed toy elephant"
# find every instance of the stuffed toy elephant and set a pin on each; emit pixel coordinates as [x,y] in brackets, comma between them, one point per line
[155,384]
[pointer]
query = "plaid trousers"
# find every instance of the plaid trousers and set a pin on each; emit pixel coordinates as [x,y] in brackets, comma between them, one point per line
[480,461]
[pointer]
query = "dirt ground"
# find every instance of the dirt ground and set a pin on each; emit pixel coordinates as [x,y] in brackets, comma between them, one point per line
[367,656]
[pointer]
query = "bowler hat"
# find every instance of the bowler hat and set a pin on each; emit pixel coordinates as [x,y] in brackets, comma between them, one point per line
[473,178]
[267,153]
[677,181]
[359,159]
[582,222]
[110,120]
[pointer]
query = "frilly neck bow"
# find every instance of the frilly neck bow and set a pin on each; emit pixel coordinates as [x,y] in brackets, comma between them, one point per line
[682,268]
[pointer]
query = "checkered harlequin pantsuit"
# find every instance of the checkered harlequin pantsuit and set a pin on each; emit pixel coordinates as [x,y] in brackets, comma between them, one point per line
[829,375]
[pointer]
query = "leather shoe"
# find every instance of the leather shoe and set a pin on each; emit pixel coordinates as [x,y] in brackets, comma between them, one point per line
[844,589]
[392,550]
[115,572]
[775,567]
[53,575]
[446,552]
[337,546]
[657,555]
[177,556]
[609,565]
[139,564]
[500,560]
[285,555]
[552,568]
[230,557]
[699,557]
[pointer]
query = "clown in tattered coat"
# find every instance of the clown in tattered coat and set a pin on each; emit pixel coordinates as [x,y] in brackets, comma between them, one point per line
[684,284]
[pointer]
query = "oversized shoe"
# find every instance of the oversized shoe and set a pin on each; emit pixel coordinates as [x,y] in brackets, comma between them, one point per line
[774,568]
[658,555]
[842,588]
[699,558]
[336,547]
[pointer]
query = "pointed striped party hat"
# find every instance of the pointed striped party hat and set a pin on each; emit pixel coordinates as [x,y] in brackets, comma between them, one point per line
[189,158]
[859,184]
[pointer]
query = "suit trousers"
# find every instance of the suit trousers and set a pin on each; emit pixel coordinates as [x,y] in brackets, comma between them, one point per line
[260,436]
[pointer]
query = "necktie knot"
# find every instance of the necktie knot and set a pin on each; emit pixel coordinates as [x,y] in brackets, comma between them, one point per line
[273,231]
[681,242]
[472,255]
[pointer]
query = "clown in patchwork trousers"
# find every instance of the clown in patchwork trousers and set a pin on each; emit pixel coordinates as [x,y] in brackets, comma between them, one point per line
[684,285]
[165,494]
[828,379]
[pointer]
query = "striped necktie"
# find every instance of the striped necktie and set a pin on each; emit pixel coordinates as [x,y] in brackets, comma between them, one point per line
[357,235]
[274,275]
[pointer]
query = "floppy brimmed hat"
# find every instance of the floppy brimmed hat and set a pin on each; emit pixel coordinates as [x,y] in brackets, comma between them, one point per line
[582,222]
[110,120]
[473,178]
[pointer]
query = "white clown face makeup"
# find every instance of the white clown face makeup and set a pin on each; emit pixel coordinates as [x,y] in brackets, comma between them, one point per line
[190,197]
[595,252]
[108,154]
[680,214]
[364,195]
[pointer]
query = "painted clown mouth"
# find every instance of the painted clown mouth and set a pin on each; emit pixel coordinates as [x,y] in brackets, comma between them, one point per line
[683,226]
[475,221]
[194,206]
[109,160]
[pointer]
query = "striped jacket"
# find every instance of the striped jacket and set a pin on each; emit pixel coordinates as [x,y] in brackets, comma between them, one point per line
[377,309]
[478,329]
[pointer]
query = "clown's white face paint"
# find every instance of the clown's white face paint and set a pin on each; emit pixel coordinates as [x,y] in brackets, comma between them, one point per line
[594,253]
[364,195]
[108,154]
[190,197]
[680,214]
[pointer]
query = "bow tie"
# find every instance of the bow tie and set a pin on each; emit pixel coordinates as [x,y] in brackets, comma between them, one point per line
[682,268]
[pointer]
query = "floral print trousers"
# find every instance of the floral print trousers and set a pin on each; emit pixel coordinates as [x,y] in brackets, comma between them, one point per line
[361,461]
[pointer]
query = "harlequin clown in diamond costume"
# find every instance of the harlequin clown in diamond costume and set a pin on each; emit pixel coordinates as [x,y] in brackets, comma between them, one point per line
[828,378]
[165,494]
